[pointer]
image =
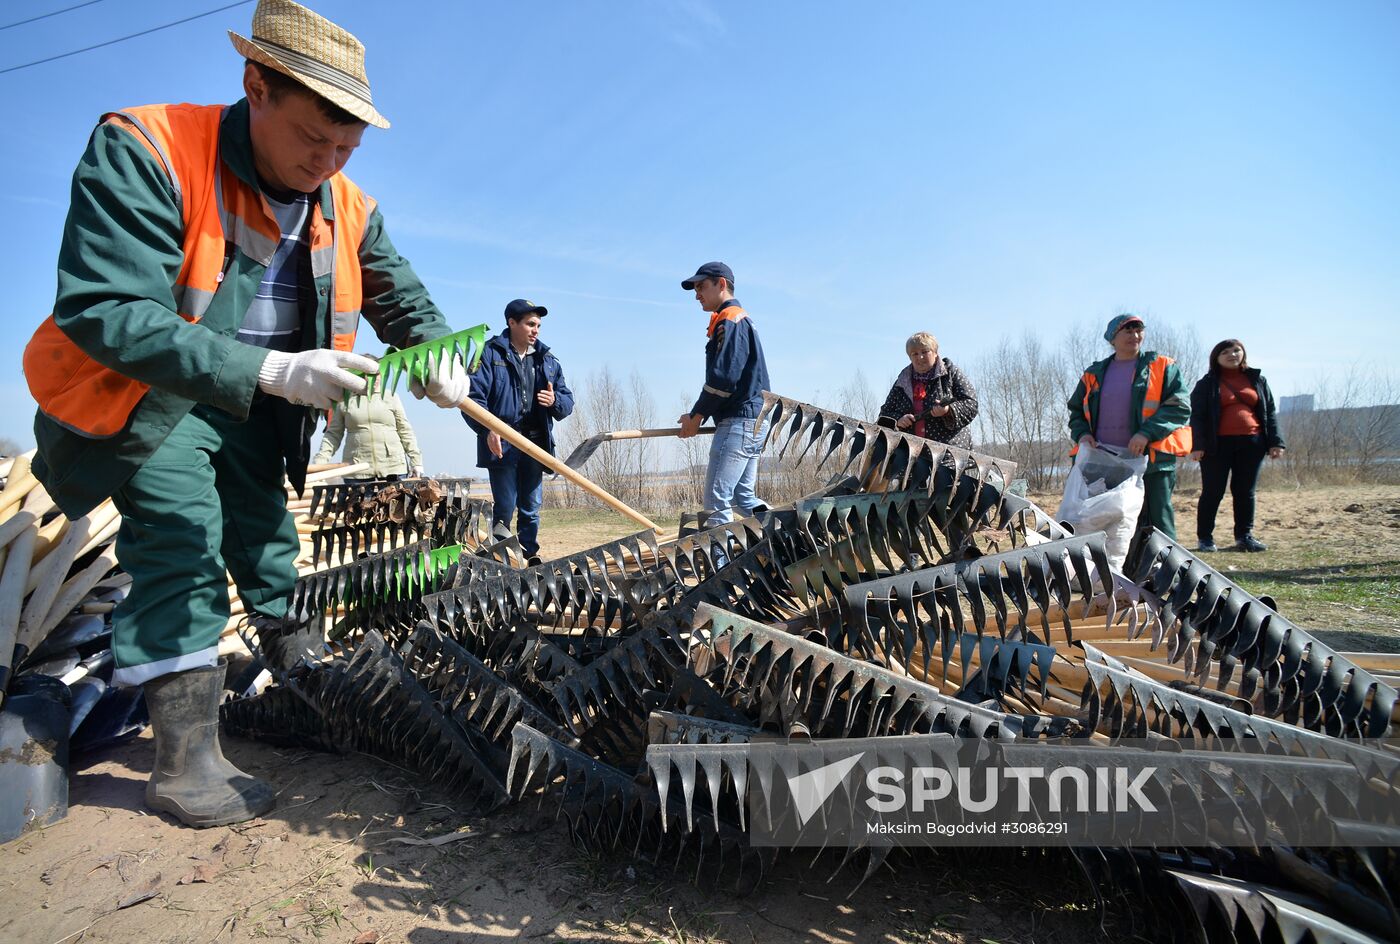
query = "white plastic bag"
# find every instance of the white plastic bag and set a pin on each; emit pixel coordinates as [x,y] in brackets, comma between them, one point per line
[1104,492]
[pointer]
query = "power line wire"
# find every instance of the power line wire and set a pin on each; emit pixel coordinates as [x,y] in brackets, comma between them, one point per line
[45,16]
[122,39]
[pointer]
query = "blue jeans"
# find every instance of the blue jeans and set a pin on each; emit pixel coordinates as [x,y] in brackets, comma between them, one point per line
[733,469]
[516,484]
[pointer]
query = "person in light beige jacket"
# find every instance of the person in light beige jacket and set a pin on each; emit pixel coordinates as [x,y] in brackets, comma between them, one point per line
[379,435]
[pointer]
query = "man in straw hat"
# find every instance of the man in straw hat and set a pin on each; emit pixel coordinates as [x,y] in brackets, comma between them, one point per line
[213,271]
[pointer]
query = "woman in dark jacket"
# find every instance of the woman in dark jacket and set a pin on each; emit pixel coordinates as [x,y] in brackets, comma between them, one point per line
[932,397]
[1233,426]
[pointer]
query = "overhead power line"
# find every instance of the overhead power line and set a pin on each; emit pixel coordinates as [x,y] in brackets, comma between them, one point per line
[122,39]
[45,16]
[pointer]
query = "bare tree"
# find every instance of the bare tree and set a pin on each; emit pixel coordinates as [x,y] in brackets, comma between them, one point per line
[1376,429]
[1354,433]
[687,491]
[640,410]
[1181,344]
[1080,347]
[1021,396]
[607,411]
[624,468]
[858,399]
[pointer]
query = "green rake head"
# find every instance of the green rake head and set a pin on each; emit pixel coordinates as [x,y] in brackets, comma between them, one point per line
[430,565]
[416,361]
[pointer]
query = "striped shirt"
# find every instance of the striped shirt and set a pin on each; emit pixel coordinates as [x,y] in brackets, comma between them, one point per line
[273,319]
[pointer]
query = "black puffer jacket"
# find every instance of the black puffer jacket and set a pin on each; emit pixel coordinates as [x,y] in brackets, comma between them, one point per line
[1205,411]
[949,384]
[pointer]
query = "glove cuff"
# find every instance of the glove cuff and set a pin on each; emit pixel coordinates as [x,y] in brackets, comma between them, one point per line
[272,375]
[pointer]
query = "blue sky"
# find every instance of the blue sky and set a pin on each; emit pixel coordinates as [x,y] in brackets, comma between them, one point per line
[868,170]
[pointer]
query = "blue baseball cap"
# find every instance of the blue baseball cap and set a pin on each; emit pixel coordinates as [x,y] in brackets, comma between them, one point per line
[518,309]
[1118,322]
[710,270]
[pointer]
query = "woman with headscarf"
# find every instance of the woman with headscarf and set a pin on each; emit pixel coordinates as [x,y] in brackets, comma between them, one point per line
[1135,400]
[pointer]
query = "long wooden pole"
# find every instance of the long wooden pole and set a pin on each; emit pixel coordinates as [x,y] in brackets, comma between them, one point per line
[36,504]
[491,422]
[47,578]
[18,483]
[72,593]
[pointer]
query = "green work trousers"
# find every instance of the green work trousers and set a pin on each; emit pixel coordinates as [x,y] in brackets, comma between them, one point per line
[211,499]
[1157,511]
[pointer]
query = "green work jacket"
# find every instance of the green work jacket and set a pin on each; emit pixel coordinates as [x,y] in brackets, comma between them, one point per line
[121,255]
[1173,413]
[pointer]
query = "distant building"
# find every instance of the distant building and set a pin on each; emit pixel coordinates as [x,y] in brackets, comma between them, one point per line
[1302,403]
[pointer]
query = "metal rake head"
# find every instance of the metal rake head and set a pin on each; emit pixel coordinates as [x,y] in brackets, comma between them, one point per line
[1286,671]
[332,502]
[794,683]
[375,704]
[881,455]
[1228,910]
[470,692]
[608,810]
[448,520]
[1124,704]
[911,617]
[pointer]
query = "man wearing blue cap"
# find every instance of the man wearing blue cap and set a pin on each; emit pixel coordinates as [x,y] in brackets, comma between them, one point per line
[1136,400]
[522,383]
[735,377]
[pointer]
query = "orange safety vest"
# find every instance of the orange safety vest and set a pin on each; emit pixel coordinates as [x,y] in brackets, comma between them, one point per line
[1175,443]
[221,214]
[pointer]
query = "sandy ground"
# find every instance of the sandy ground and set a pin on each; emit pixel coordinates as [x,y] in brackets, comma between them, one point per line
[342,857]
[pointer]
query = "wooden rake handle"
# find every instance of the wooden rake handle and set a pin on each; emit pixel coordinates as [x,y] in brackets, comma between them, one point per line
[493,423]
[618,434]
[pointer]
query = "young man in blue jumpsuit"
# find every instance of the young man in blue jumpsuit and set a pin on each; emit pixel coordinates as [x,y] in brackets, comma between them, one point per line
[735,377]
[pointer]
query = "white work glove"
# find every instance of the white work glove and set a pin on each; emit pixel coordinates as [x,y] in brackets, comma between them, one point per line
[416,472]
[314,378]
[448,384]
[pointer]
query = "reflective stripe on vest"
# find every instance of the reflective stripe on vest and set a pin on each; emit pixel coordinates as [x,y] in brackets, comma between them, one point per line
[1178,441]
[1175,443]
[220,214]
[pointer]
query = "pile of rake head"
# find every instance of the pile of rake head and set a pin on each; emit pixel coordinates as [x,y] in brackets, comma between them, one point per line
[910,602]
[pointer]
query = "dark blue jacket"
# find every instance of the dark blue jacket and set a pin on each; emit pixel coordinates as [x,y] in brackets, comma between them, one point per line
[735,372]
[496,386]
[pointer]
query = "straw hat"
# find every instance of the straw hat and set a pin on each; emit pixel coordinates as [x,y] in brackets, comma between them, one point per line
[311,49]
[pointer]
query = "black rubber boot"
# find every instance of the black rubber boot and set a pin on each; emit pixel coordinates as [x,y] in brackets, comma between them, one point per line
[191,779]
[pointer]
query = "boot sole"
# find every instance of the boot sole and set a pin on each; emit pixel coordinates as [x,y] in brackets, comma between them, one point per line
[204,821]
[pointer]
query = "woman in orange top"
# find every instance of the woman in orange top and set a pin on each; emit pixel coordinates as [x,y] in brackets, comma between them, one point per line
[1233,426]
